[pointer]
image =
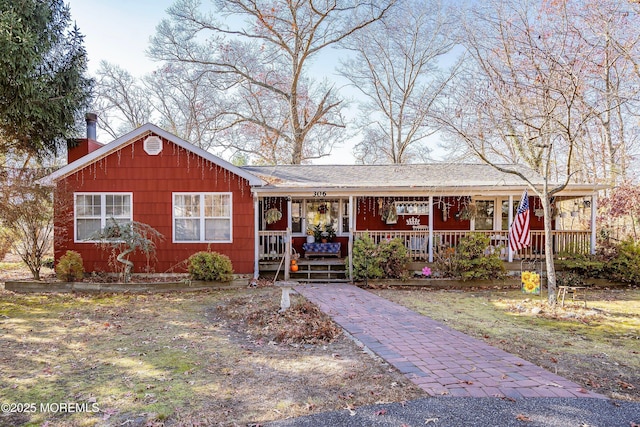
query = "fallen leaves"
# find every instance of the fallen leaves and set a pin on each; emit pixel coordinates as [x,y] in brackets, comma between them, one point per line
[625,385]
[522,417]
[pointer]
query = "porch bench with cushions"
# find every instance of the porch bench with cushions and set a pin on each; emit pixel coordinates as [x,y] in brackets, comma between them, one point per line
[321,249]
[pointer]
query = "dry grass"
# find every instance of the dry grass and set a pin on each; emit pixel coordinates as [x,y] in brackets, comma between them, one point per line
[181,359]
[597,346]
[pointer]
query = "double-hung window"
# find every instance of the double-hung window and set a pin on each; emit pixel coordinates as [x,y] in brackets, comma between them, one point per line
[94,210]
[202,217]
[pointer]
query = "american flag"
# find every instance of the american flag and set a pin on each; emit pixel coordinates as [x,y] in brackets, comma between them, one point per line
[519,234]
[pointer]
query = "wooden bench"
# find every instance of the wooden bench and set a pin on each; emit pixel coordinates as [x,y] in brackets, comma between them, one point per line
[321,249]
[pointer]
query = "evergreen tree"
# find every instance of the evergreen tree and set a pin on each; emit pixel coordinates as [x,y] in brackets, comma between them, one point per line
[43,88]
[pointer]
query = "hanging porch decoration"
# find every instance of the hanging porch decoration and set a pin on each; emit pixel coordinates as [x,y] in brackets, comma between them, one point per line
[273,215]
[389,213]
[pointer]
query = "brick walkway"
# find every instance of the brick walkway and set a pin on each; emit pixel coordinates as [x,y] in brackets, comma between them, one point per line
[438,359]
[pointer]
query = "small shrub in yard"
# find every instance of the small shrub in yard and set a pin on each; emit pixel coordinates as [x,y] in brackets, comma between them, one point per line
[364,264]
[393,259]
[582,265]
[210,267]
[474,262]
[625,267]
[70,268]
[389,259]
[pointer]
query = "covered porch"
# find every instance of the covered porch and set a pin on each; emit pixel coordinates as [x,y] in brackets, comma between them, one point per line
[423,229]
[428,215]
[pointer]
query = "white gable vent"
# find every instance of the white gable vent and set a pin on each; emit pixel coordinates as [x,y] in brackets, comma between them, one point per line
[153,145]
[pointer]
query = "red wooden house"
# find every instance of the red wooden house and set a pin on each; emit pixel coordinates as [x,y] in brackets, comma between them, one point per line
[200,202]
[196,200]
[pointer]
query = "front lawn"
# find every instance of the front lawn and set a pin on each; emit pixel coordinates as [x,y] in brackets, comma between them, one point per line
[179,359]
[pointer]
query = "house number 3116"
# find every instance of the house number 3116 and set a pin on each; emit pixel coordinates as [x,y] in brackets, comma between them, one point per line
[319,194]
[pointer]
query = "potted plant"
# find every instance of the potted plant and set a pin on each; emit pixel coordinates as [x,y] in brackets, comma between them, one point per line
[317,232]
[329,232]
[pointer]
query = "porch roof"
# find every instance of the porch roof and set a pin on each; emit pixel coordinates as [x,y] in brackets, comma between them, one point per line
[434,178]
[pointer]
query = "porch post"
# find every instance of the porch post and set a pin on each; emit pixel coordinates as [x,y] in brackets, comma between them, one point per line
[290,219]
[594,212]
[430,243]
[509,221]
[256,245]
[352,226]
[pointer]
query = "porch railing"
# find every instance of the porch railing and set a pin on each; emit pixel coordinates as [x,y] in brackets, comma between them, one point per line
[272,244]
[416,242]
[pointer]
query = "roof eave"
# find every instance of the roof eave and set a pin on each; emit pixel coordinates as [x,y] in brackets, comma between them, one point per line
[135,134]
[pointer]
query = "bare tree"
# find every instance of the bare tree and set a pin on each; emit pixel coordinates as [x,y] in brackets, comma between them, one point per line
[396,66]
[521,99]
[265,62]
[609,30]
[121,100]
[187,103]
[26,212]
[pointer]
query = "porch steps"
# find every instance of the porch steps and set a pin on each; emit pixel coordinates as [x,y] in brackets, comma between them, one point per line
[320,270]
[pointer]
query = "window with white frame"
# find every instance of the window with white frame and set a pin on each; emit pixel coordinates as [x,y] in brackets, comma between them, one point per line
[93,210]
[202,217]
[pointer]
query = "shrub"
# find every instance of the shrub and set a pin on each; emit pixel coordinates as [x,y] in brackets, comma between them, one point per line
[393,259]
[389,259]
[210,267]
[70,268]
[364,265]
[446,261]
[474,262]
[625,267]
[582,265]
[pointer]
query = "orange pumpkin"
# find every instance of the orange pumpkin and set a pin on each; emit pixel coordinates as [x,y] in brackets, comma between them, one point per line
[294,267]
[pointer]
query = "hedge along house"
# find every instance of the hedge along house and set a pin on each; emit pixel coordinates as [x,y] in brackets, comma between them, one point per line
[256,214]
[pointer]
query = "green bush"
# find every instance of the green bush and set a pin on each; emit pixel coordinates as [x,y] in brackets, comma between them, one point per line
[210,267]
[70,268]
[582,265]
[389,259]
[393,259]
[475,262]
[625,267]
[364,265]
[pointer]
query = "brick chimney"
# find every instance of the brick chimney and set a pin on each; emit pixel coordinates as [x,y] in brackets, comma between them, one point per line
[82,146]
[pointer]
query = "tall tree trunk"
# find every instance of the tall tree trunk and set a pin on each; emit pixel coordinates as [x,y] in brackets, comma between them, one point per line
[548,248]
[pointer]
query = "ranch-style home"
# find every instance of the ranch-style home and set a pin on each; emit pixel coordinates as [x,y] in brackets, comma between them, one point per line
[257,214]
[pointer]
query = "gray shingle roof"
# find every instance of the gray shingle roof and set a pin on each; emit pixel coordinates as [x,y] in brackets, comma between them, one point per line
[435,175]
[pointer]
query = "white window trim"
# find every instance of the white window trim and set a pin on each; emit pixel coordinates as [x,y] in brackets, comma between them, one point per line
[103,210]
[497,212]
[201,217]
[339,232]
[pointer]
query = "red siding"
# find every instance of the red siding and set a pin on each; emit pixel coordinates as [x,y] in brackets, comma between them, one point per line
[152,179]
[369,215]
